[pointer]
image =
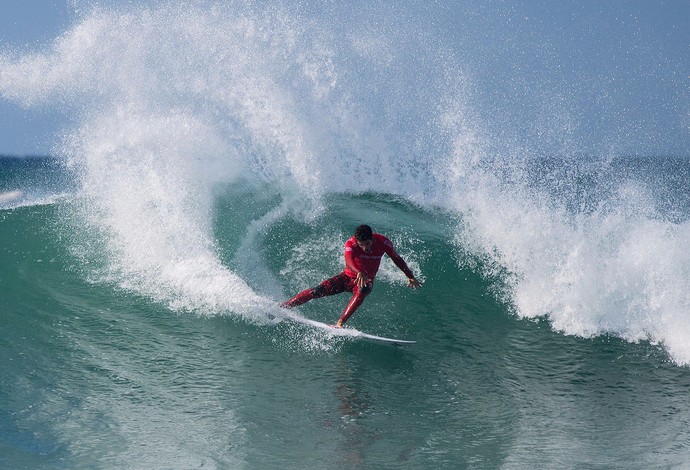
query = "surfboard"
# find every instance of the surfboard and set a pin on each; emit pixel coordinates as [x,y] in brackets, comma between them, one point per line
[348,332]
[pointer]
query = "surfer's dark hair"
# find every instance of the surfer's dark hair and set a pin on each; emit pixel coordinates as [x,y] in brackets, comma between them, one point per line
[363,233]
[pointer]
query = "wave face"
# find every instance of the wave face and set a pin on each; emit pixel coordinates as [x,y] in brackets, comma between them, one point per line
[551,189]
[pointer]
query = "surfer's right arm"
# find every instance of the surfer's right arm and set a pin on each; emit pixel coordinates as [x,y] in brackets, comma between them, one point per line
[361,278]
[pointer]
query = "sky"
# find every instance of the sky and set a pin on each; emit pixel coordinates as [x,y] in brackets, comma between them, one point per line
[27,25]
[638,50]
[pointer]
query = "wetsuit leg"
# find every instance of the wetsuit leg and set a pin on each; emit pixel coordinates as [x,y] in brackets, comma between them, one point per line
[331,286]
[358,296]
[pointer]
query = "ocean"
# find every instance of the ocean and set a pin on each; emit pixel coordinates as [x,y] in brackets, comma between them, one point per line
[215,157]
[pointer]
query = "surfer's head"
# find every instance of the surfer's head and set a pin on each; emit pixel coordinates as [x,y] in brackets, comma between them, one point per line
[364,237]
[363,233]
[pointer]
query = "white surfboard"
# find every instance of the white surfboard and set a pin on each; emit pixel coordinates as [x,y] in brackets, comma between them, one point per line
[350,332]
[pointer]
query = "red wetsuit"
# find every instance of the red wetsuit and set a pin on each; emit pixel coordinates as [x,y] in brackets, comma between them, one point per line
[356,259]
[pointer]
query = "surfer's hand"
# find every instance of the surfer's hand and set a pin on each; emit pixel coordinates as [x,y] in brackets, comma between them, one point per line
[361,280]
[413,283]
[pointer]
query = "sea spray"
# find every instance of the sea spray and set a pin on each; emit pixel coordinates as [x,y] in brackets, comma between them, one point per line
[615,267]
[152,205]
[170,102]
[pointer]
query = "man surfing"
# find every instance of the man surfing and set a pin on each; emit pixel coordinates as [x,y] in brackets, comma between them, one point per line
[363,253]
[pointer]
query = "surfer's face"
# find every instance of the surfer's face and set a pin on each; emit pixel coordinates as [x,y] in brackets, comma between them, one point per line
[365,245]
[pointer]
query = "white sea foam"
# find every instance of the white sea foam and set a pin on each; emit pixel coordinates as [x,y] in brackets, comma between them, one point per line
[619,267]
[172,100]
[9,196]
[17,199]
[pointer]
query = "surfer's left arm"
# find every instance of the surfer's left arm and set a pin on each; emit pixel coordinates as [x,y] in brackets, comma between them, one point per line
[402,265]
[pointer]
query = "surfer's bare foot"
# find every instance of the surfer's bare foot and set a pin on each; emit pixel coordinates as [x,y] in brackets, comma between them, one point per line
[338,324]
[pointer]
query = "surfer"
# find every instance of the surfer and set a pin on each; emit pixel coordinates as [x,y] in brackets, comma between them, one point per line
[363,253]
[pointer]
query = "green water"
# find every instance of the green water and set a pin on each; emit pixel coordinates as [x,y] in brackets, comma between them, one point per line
[97,377]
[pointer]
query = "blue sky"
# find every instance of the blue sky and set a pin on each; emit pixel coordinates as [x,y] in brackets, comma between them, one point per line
[27,25]
[638,50]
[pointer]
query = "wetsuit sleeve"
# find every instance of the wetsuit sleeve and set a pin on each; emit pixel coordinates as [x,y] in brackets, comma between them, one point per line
[351,268]
[397,259]
[349,261]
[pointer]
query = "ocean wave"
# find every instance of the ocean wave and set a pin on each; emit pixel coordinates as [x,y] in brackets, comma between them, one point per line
[172,102]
